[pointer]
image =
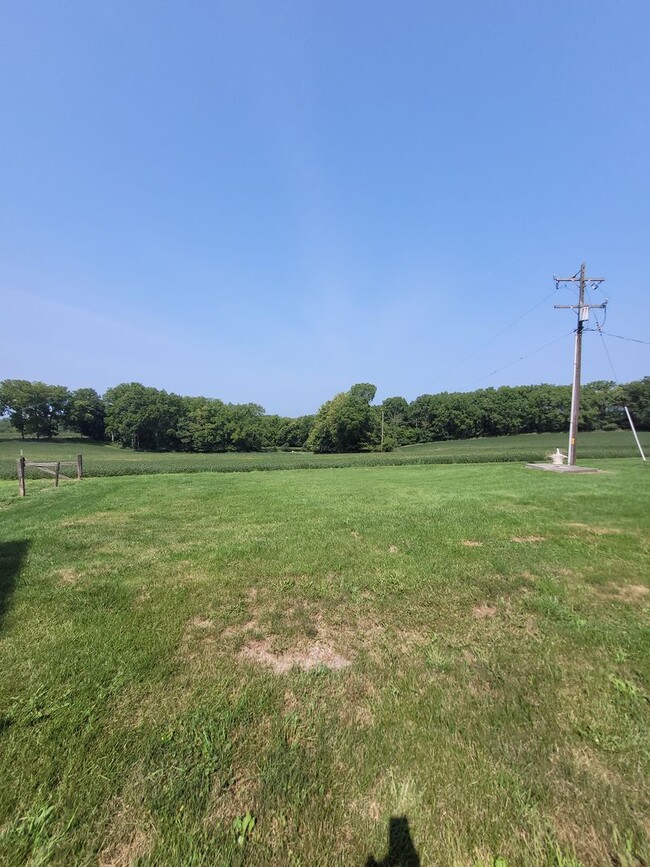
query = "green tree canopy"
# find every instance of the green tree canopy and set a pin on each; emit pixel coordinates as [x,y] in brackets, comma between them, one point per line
[85,413]
[34,407]
[15,395]
[346,423]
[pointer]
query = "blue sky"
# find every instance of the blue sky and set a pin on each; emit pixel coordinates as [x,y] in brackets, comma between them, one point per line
[270,201]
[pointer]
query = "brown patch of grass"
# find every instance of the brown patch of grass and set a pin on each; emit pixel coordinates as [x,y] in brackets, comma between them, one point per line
[356,535]
[201,623]
[407,639]
[357,716]
[483,611]
[305,621]
[233,797]
[581,837]
[630,593]
[354,698]
[471,543]
[131,835]
[596,531]
[393,549]
[239,629]
[633,592]
[527,539]
[69,577]
[306,657]
[144,595]
[126,852]
[99,519]
[199,640]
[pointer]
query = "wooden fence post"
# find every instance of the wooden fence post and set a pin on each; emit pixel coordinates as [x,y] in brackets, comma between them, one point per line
[21,476]
[57,470]
[80,467]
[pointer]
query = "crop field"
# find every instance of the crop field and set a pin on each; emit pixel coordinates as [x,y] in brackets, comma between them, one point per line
[104,459]
[394,665]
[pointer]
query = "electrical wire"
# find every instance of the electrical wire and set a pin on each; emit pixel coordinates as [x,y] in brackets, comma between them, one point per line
[494,336]
[527,355]
[630,339]
[599,329]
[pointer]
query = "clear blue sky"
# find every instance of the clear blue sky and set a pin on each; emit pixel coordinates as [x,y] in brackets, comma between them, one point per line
[270,201]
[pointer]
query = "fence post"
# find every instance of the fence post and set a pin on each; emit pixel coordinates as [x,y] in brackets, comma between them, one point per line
[21,475]
[57,470]
[80,467]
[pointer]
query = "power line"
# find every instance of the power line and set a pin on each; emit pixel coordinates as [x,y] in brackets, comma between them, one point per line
[494,337]
[599,329]
[630,339]
[527,355]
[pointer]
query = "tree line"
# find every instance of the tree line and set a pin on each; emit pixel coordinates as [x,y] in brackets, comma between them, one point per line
[141,417]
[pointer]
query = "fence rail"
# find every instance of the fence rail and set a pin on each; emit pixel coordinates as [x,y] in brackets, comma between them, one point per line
[52,468]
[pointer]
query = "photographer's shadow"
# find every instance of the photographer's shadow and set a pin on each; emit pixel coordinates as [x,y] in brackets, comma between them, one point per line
[401,851]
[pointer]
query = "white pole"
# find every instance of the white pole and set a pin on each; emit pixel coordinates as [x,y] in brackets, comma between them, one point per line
[629,418]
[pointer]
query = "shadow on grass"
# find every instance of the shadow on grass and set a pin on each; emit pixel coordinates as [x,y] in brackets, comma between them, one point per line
[12,555]
[401,851]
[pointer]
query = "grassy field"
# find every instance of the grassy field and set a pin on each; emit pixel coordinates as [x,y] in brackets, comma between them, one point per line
[103,459]
[320,668]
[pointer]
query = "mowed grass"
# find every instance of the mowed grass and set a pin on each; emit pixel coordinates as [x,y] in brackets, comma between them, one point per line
[105,459]
[495,622]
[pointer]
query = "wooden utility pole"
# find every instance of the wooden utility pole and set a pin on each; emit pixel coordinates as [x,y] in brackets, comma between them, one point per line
[583,316]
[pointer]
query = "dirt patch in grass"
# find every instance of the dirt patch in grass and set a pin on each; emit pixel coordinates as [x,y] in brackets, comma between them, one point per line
[126,852]
[238,629]
[144,595]
[201,623]
[308,657]
[303,634]
[295,633]
[483,611]
[631,593]
[393,549]
[470,543]
[527,539]
[131,836]
[69,577]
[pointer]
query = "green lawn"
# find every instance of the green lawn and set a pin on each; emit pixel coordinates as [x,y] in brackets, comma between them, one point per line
[486,628]
[104,459]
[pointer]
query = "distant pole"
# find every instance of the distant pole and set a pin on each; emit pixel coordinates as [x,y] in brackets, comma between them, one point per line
[382,430]
[80,466]
[21,475]
[583,316]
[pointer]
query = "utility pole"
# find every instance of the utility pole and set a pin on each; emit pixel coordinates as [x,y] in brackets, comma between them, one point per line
[583,317]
